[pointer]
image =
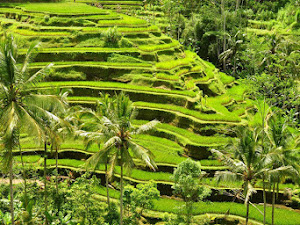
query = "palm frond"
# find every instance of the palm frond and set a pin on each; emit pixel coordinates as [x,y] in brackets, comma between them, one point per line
[227,176]
[28,57]
[249,190]
[37,77]
[142,153]
[127,160]
[147,127]
[113,163]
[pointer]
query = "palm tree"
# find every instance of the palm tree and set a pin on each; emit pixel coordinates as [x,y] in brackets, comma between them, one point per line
[244,162]
[21,108]
[234,43]
[92,133]
[62,129]
[116,130]
[285,158]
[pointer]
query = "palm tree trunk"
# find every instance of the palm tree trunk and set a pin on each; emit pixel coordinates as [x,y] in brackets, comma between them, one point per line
[45,181]
[121,196]
[247,215]
[265,199]
[277,189]
[24,177]
[106,180]
[237,5]
[224,29]
[56,168]
[11,188]
[273,203]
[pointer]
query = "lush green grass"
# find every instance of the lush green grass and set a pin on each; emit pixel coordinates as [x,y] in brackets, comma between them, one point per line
[114,85]
[196,116]
[185,136]
[225,78]
[82,50]
[164,76]
[62,8]
[36,34]
[169,65]
[152,48]
[135,175]
[282,216]
[124,21]
[188,112]
[28,158]
[121,2]
[93,64]
[164,150]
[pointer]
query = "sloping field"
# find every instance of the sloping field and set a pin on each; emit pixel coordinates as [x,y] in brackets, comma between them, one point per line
[196,104]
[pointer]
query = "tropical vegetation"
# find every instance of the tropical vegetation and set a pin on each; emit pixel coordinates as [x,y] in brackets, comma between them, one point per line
[159,112]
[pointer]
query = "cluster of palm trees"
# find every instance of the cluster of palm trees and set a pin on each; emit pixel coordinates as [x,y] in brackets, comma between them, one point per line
[22,110]
[268,153]
[48,119]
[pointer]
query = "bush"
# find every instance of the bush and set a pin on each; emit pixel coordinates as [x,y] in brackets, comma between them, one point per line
[112,36]
[125,43]
[46,18]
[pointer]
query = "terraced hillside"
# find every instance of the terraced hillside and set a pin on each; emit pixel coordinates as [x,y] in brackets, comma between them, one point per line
[99,49]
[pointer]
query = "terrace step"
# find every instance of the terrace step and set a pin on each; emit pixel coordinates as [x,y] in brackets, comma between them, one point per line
[163,180]
[136,93]
[81,54]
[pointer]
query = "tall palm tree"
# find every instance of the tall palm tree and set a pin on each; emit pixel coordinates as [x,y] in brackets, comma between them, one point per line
[21,108]
[283,146]
[116,130]
[244,162]
[62,129]
[92,131]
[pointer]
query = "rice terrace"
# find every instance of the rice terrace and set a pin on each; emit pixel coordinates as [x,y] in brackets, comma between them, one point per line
[166,112]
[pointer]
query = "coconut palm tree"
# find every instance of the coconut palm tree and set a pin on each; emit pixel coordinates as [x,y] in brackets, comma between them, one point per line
[21,107]
[62,129]
[116,131]
[244,162]
[92,133]
[285,159]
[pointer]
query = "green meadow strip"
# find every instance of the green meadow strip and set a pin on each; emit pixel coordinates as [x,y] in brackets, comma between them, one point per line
[193,115]
[62,8]
[169,65]
[140,3]
[225,78]
[82,50]
[38,34]
[125,20]
[61,64]
[137,175]
[188,112]
[164,76]
[164,150]
[238,209]
[188,137]
[153,48]
[114,85]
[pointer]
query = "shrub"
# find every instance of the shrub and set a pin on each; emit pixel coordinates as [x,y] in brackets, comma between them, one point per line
[46,18]
[112,36]
[125,43]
